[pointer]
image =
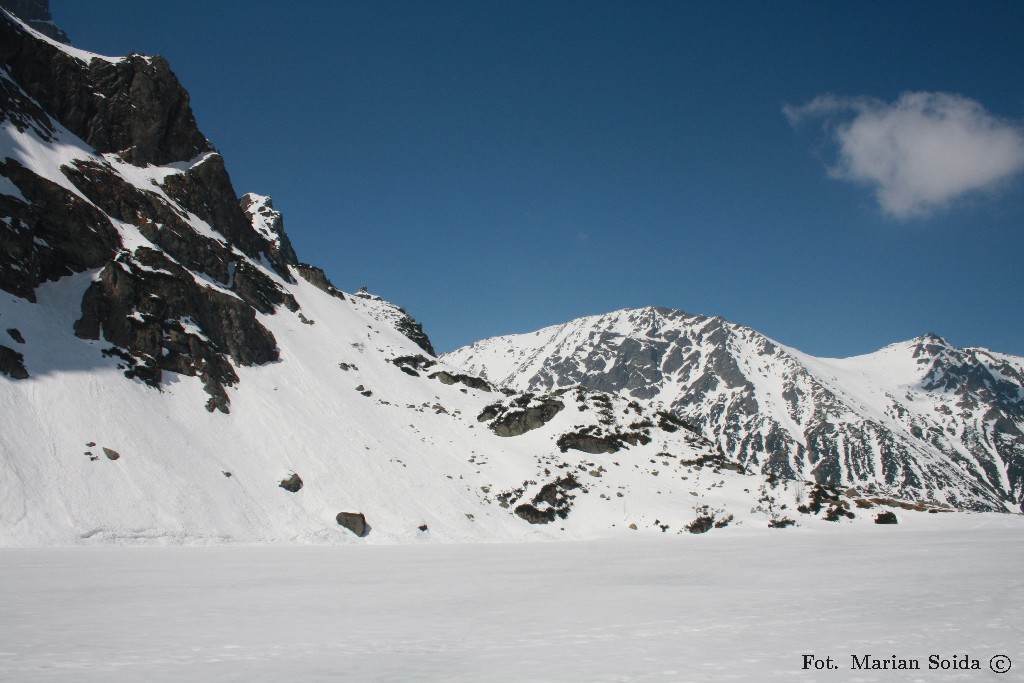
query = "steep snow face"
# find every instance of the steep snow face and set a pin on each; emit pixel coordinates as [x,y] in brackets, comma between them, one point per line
[921,418]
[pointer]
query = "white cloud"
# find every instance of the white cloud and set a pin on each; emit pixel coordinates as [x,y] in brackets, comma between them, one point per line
[920,152]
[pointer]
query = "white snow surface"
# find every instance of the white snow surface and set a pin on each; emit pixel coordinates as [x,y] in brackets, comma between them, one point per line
[740,607]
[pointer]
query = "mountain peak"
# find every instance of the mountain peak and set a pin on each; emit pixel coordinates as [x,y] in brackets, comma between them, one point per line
[884,419]
[932,338]
[930,344]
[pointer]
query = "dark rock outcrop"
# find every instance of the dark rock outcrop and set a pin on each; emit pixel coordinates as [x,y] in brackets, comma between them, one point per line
[408,326]
[701,525]
[135,106]
[588,443]
[205,190]
[53,235]
[445,377]
[12,363]
[827,499]
[316,277]
[524,415]
[553,501]
[152,309]
[595,439]
[417,362]
[397,317]
[269,223]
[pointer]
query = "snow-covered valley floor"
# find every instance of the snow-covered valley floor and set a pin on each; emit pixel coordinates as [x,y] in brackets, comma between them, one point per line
[741,605]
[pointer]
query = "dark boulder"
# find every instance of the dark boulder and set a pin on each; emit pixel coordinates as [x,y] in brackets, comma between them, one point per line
[886,518]
[292,483]
[417,362]
[354,522]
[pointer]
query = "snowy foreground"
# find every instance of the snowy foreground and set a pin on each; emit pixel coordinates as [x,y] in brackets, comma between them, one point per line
[744,605]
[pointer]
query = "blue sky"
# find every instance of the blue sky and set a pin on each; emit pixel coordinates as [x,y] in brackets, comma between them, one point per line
[500,167]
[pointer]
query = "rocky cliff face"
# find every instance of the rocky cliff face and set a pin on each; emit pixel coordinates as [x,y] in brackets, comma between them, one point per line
[125,184]
[133,189]
[921,419]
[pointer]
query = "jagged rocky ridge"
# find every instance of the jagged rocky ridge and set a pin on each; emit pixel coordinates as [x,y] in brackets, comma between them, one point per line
[922,419]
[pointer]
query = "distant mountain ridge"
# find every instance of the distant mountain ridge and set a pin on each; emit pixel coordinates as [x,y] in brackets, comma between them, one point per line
[921,419]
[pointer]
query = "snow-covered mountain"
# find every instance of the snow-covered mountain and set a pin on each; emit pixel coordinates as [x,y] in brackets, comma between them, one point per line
[920,419]
[171,373]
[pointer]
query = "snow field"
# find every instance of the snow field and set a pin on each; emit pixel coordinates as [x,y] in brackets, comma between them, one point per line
[719,607]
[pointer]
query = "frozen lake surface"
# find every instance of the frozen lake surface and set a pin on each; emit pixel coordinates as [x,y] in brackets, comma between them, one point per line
[726,606]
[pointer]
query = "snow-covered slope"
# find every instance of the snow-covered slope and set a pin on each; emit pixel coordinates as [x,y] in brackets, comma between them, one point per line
[920,419]
[171,373]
